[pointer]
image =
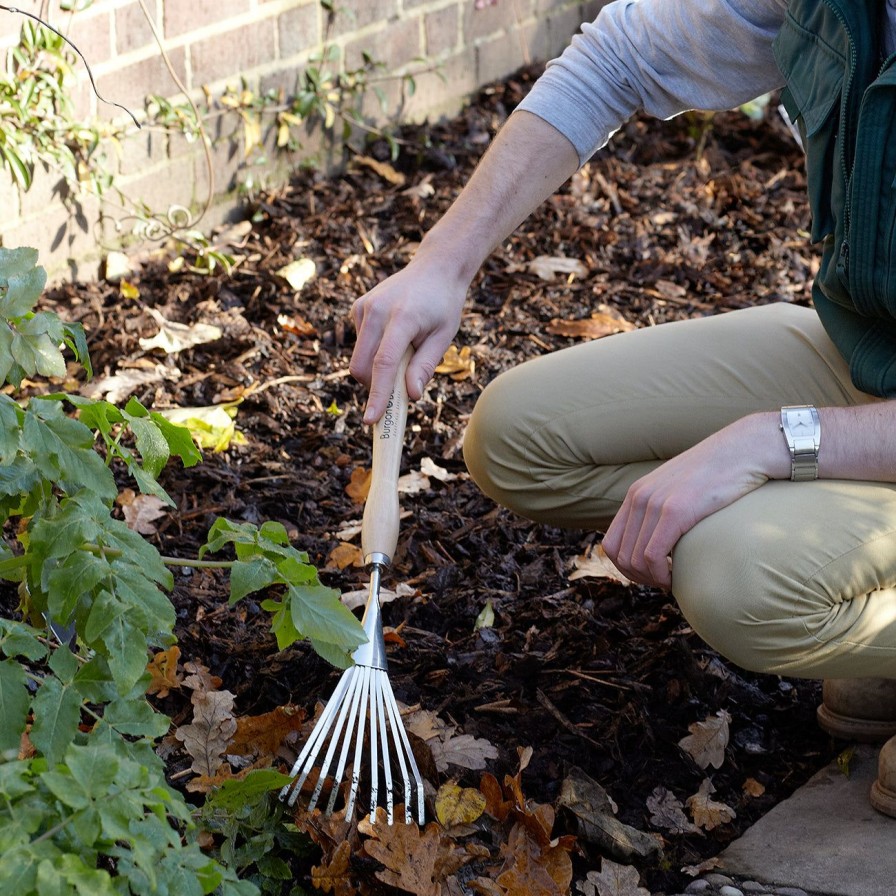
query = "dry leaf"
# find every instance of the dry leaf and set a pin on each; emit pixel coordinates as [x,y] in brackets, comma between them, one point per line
[548,266]
[383,169]
[613,880]
[417,861]
[752,787]
[164,675]
[296,325]
[124,383]
[458,805]
[531,869]
[355,599]
[174,337]
[207,738]
[707,741]
[264,734]
[464,751]
[297,273]
[430,468]
[667,812]
[345,555]
[200,679]
[597,565]
[359,485]
[459,365]
[705,811]
[334,876]
[139,511]
[413,483]
[599,324]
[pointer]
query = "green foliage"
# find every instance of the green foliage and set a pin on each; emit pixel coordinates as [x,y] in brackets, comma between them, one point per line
[37,120]
[84,807]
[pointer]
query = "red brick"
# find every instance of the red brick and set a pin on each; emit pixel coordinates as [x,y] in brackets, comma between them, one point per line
[298,30]
[351,15]
[441,30]
[488,21]
[233,53]
[131,84]
[91,33]
[182,16]
[395,45]
[132,30]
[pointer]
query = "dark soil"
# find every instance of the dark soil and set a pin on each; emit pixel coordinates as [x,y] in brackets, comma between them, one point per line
[589,673]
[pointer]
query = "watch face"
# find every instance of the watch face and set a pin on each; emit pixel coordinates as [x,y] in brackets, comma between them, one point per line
[799,419]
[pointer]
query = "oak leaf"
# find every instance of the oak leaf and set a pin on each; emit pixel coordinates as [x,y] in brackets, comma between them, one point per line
[163,671]
[533,869]
[752,787]
[548,266]
[707,741]
[207,738]
[417,861]
[174,337]
[462,750]
[613,880]
[345,555]
[706,812]
[333,876]
[140,511]
[667,812]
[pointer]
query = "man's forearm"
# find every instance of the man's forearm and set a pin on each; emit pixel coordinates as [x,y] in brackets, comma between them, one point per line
[527,162]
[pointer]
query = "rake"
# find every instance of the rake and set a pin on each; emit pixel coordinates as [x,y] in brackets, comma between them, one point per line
[363,699]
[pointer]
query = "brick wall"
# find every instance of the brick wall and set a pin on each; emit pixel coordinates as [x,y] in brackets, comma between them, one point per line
[212,44]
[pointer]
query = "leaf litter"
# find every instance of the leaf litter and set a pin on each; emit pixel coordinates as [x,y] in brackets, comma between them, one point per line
[577,678]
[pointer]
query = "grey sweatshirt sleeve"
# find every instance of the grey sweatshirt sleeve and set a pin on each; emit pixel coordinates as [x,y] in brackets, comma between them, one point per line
[662,56]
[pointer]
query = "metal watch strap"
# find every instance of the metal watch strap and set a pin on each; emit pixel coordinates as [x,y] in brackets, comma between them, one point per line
[802,431]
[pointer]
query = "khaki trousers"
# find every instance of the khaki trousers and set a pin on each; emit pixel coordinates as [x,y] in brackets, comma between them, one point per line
[794,578]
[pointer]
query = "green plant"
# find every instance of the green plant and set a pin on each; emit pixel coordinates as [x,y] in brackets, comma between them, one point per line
[85,808]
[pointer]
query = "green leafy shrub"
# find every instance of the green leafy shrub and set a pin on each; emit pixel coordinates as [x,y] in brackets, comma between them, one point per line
[85,806]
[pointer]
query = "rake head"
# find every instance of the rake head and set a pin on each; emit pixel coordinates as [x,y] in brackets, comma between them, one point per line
[362,712]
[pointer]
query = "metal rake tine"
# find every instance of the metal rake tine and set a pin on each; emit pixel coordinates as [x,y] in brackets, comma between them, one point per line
[355,716]
[315,742]
[402,749]
[381,676]
[334,740]
[359,744]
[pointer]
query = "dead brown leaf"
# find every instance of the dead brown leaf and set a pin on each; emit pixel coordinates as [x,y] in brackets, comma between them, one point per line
[345,555]
[264,734]
[139,511]
[207,738]
[164,674]
[531,869]
[667,812]
[383,169]
[359,485]
[333,876]
[705,811]
[613,880]
[596,564]
[417,861]
[548,266]
[707,741]
[752,787]
[462,750]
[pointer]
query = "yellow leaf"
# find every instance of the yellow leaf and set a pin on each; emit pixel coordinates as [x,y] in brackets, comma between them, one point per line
[458,805]
[211,427]
[128,290]
[459,365]
[163,672]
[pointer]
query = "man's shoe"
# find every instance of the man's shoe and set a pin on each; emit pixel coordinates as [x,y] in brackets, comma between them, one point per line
[883,790]
[860,709]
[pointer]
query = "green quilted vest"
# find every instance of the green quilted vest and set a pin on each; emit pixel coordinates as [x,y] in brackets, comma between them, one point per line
[842,95]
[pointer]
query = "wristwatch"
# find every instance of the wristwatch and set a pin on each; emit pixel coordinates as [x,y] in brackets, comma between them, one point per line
[802,432]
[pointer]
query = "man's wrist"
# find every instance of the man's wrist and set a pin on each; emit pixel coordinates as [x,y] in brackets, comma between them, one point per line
[801,428]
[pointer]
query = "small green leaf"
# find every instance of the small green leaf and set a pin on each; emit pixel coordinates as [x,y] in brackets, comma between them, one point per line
[319,614]
[249,576]
[234,794]
[14,703]
[57,713]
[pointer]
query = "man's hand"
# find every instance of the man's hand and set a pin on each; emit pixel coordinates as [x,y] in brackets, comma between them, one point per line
[666,503]
[415,307]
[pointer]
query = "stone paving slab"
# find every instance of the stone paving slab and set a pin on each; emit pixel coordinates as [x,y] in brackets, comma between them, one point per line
[825,840]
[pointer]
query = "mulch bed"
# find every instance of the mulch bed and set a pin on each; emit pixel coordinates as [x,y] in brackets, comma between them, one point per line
[589,673]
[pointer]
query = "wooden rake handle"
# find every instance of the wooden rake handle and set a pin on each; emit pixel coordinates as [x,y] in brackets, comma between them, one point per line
[379,526]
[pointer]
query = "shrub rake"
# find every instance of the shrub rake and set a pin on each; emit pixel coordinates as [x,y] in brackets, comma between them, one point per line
[364,694]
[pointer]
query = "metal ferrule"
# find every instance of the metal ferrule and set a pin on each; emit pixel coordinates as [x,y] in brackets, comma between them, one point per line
[373,652]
